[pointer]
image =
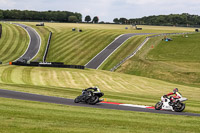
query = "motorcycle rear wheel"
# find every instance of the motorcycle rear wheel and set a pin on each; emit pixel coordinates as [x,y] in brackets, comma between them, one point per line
[93,100]
[158,106]
[180,107]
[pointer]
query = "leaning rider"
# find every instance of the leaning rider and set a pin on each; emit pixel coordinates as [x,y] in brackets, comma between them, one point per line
[177,95]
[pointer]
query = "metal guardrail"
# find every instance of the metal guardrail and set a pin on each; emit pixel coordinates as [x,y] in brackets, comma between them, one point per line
[47,48]
[141,45]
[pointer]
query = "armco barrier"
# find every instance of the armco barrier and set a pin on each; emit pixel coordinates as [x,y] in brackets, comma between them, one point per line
[47,48]
[47,64]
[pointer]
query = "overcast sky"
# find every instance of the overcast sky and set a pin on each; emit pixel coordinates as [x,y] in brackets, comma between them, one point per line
[107,10]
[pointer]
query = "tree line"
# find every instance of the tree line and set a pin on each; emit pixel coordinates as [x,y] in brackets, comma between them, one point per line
[183,19]
[60,16]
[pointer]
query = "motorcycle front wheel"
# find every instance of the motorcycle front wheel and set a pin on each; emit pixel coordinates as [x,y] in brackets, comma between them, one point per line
[158,106]
[78,99]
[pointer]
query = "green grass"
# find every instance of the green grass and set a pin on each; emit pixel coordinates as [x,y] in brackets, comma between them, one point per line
[79,48]
[176,61]
[13,43]
[69,83]
[26,116]
[126,49]
[182,49]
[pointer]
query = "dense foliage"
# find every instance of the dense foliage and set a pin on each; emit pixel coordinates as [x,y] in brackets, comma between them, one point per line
[61,16]
[172,19]
[88,18]
[95,19]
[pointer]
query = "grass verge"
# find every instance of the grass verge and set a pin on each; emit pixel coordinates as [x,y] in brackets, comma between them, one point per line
[26,116]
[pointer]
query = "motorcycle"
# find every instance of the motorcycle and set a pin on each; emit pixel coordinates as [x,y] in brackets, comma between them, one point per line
[166,104]
[89,96]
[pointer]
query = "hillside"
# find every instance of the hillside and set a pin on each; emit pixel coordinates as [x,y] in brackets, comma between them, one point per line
[176,61]
[69,83]
[13,43]
[79,48]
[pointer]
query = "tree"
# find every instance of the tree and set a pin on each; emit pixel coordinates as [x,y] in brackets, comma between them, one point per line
[95,19]
[122,20]
[116,20]
[1,14]
[73,19]
[87,18]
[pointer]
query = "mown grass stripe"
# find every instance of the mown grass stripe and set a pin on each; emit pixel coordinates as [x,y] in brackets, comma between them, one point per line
[13,44]
[8,41]
[7,75]
[77,48]
[71,79]
[14,47]
[4,35]
[95,43]
[66,50]
[26,75]
[59,46]
[83,51]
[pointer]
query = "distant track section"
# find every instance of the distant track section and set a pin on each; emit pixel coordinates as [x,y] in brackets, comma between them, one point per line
[96,62]
[34,45]
[140,46]
[104,105]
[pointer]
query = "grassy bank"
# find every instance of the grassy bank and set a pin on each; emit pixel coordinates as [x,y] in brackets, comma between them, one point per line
[13,43]
[176,61]
[69,83]
[80,47]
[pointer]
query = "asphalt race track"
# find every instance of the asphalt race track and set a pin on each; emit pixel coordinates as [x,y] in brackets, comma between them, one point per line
[105,53]
[64,101]
[34,44]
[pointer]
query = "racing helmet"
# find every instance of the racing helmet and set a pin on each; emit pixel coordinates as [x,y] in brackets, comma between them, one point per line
[175,90]
[97,88]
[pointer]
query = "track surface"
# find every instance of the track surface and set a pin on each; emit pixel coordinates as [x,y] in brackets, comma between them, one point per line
[57,100]
[34,44]
[96,62]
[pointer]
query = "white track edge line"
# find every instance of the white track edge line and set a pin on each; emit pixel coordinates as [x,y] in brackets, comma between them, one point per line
[137,106]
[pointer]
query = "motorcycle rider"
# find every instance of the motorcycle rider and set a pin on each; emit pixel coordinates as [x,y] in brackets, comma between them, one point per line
[173,98]
[95,89]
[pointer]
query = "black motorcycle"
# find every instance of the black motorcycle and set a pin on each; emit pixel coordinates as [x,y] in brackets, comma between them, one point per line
[89,96]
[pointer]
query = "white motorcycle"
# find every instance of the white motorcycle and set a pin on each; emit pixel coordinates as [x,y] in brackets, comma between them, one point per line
[167,104]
